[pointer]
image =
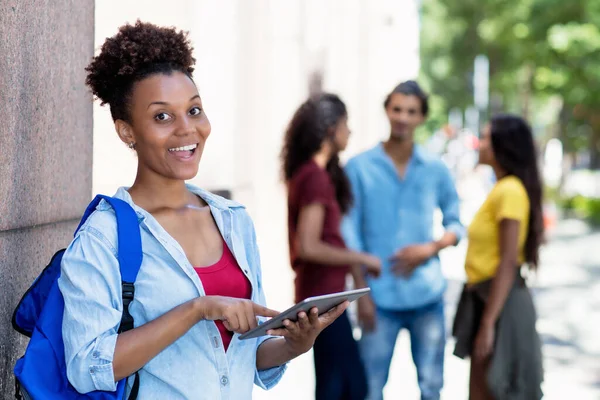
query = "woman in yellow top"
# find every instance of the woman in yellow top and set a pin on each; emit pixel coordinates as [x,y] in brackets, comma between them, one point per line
[495,319]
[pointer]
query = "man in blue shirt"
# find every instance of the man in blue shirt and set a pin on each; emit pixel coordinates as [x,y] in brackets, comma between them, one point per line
[397,187]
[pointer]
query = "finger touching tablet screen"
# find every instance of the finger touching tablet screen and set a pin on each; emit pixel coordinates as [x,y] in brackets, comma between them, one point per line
[322,303]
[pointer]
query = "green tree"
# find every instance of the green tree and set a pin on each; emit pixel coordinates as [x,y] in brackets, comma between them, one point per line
[539,51]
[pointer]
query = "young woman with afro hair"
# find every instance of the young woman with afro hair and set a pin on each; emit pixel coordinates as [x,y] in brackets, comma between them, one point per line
[199,285]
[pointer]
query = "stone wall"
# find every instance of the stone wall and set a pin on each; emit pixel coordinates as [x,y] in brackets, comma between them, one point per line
[45,146]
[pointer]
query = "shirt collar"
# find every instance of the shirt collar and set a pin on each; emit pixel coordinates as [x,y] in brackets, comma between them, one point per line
[211,199]
[417,154]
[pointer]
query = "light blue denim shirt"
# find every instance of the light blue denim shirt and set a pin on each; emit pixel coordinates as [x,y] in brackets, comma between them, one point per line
[195,366]
[391,212]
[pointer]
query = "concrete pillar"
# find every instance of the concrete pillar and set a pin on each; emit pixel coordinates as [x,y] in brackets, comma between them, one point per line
[45,146]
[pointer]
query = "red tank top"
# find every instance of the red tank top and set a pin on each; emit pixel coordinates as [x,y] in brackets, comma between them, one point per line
[225,278]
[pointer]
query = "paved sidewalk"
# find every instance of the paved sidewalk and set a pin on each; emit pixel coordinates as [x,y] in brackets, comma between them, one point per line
[567,296]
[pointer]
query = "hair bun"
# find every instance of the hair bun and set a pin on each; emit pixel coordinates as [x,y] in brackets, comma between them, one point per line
[125,56]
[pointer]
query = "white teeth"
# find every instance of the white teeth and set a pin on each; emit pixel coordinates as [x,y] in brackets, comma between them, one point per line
[185,148]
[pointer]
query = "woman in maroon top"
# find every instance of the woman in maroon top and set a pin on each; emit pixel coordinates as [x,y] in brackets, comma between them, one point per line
[318,194]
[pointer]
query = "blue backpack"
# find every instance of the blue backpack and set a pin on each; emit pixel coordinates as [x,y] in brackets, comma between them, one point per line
[42,373]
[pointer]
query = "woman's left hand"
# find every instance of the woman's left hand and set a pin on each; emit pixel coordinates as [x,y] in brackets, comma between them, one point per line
[484,342]
[300,336]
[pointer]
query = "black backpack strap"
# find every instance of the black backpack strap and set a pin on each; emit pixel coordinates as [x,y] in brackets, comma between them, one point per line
[18,394]
[128,291]
[136,387]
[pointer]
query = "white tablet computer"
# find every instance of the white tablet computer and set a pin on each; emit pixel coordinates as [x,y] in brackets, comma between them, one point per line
[322,303]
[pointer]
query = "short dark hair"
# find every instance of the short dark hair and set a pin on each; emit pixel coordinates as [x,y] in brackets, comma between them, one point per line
[134,53]
[410,88]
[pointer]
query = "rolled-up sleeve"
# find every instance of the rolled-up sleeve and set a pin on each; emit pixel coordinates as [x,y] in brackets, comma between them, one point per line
[449,204]
[91,287]
[267,378]
[352,225]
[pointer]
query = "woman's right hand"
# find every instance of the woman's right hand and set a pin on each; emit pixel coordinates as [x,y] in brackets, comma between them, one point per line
[372,264]
[238,315]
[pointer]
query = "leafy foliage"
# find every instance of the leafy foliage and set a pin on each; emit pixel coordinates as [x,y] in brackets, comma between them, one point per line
[539,51]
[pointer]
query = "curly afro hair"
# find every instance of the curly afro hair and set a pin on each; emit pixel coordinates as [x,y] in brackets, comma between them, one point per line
[134,53]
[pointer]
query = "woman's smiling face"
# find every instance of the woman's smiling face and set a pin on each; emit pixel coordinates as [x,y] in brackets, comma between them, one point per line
[167,125]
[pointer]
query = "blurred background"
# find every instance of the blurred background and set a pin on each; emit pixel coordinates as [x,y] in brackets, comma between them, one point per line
[258,60]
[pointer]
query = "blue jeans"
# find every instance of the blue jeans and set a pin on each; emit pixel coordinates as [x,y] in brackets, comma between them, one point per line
[427,330]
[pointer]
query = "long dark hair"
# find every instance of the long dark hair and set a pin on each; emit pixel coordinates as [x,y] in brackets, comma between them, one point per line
[515,152]
[311,125]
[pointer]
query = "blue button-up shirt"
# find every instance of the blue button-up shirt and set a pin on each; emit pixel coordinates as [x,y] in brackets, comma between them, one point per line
[195,366]
[391,212]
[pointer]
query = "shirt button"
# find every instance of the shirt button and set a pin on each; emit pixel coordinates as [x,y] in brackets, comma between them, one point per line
[92,370]
[96,354]
[224,380]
